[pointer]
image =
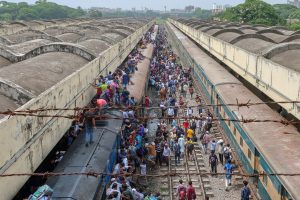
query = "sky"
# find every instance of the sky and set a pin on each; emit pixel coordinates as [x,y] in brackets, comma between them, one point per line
[151,4]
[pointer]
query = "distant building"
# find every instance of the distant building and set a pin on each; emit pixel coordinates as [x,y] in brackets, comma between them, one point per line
[189,9]
[294,3]
[177,11]
[219,8]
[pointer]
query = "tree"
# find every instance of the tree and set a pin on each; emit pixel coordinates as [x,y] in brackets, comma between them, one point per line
[284,10]
[94,13]
[252,11]
[295,26]
[295,14]
[26,14]
[41,10]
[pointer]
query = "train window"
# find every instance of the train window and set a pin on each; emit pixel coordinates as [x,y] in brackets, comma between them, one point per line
[234,131]
[265,179]
[241,141]
[249,154]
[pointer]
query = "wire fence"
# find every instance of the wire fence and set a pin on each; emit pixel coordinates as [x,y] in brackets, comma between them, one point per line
[173,173]
[103,117]
[237,104]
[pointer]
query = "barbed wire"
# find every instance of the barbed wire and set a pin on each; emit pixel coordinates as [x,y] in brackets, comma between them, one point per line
[103,117]
[172,173]
[237,104]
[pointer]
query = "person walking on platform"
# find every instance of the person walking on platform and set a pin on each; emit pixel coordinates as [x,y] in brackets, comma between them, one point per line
[177,152]
[213,162]
[189,148]
[205,141]
[189,112]
[228,167]
[245,193]
[191,90]
[213,146]
[191,193]
[181,143]
[220,150]
[181,191]
[158,152]
[166,154]
[185,125]
[227,153]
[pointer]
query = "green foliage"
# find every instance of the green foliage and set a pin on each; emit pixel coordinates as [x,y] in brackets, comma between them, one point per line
[202,14]
[94,13]
[295,14]
[284,10]
[252,11]
[295,26]
[41,10]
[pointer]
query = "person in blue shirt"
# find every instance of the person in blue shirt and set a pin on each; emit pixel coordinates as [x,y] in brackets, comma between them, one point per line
[228,167]
[245,193]
[125,80]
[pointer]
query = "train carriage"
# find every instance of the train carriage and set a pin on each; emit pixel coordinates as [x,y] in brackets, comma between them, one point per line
[261,147]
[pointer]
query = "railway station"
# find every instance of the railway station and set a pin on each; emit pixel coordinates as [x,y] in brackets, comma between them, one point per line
[141,108]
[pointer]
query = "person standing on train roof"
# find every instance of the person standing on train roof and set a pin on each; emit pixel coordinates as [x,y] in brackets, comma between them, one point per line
[90,125]
[228,167]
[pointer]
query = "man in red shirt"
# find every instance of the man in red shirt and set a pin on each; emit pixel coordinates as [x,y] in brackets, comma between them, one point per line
[191,194]
[185,125]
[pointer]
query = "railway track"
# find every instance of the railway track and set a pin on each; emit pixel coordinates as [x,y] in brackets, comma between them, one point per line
[187,170]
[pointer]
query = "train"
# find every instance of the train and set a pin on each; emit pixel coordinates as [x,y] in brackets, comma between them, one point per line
[102,154]
[261,147]
[98,157]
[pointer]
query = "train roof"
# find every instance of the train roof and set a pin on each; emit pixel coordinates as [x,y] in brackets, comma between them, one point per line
[79,158]
[277,143]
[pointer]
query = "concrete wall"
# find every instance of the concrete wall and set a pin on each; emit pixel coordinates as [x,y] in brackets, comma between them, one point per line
[278,82]
[15,91]
[26,141]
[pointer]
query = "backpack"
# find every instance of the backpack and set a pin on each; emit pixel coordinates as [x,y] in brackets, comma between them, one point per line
[213,160]
[182,193]
[226,154]
[190,146]
[191,190]
[246,192]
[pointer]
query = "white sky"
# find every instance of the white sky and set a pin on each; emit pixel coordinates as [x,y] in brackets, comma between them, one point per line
[151,4]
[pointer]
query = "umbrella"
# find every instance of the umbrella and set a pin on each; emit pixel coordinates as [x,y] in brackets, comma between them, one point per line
[101,102]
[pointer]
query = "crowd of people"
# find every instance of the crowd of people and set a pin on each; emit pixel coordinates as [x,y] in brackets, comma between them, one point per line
[139,153]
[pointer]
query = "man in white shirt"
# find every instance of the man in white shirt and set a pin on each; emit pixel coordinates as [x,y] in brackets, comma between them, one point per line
[167,154]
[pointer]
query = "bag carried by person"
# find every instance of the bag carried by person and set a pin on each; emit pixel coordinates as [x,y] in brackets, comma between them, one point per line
[190,146]
[213,160]
[182,193]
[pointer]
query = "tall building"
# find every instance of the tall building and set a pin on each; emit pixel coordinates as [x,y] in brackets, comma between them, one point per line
[294,3]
